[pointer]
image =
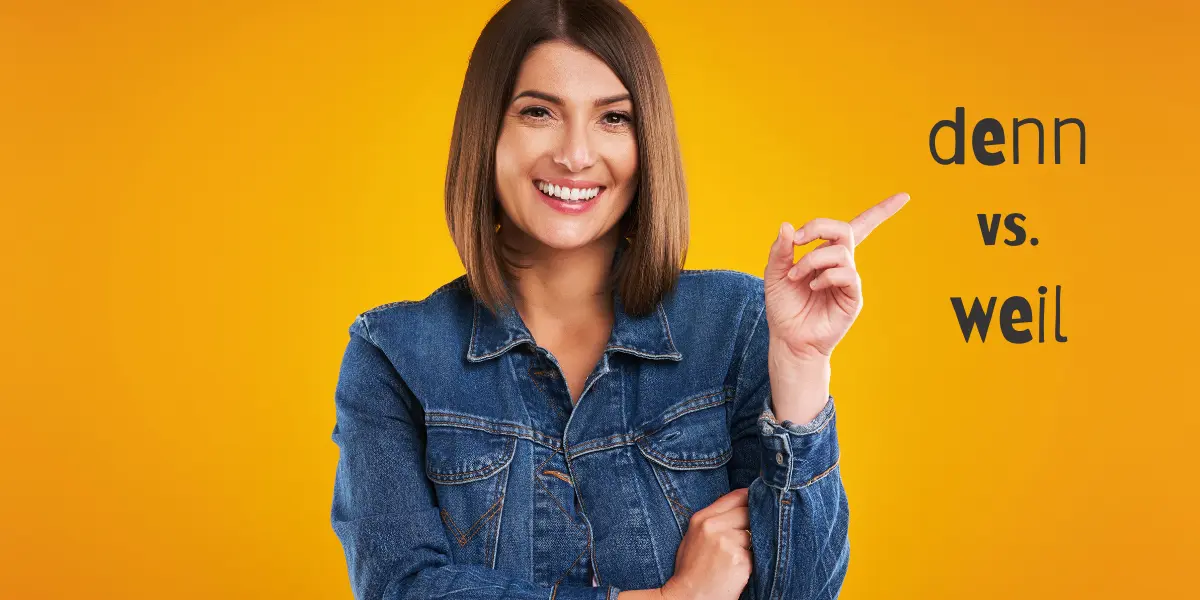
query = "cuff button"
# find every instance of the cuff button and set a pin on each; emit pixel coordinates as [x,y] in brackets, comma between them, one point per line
[779,458]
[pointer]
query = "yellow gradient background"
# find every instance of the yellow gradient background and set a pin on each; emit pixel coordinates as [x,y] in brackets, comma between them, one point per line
[198,198]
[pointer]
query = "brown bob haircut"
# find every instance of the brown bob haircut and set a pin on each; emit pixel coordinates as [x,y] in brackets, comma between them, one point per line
[656,223]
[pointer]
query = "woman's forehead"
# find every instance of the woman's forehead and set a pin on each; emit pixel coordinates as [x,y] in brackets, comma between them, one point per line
[568,72]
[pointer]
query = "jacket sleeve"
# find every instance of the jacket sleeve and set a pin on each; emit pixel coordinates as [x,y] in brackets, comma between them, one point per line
[384,508]
[799,516]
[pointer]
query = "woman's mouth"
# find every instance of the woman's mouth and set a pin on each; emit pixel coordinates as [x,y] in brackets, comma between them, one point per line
[567,199]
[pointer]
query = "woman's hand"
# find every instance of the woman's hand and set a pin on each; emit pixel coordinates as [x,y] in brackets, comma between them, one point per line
[714,561]
[812,303]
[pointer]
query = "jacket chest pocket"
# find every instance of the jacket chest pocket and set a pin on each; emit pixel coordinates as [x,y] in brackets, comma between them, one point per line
[469,470]
[688,454]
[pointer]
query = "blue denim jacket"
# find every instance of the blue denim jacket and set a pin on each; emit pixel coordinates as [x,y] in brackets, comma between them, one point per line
[465,471]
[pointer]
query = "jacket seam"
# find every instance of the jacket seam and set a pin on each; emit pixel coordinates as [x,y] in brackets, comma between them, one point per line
[625,439]
[456,283]
[523,432]
[768,416]
[737,382]
[821,475]
[367,328]
[537,479]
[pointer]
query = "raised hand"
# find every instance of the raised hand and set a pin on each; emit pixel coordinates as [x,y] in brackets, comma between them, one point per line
[812,303]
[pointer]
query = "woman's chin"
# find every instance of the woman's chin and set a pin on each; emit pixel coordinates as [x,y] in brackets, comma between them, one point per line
[565,241]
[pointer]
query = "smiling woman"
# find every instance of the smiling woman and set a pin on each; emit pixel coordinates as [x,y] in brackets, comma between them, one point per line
[578,416]
[583,91]
[581,123]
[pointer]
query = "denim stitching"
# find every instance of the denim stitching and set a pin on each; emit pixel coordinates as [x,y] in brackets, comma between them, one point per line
[737,381]
[662,316]
[636,352]
[690,272]
[767,417]
[471,352]
[821,475]
[616,440]
[474,330]
[456,283]
[477,474]
[778,545]
[464,538]
[687,406]
[367,328]
[600,444]
[533,375]
[669,494]
[572,566]
[444,419]
[785,546]
[687,512]
[539,481]
[668,462]
[487,516]
[501,487]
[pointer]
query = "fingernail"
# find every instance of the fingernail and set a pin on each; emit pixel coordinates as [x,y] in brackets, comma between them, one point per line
[799,235]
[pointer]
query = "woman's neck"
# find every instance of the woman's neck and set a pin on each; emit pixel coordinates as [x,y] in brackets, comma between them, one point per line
[563,290]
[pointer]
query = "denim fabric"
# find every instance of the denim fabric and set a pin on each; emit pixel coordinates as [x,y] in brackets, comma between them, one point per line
[465,471]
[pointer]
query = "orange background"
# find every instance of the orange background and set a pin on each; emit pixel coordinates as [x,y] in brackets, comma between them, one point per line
[198,198]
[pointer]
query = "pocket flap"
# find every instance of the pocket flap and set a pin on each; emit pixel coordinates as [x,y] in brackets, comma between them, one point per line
[461,454]
[695,440]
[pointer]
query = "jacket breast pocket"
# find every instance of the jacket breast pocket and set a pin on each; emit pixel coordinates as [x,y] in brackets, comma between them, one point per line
[688,454]
[469,470]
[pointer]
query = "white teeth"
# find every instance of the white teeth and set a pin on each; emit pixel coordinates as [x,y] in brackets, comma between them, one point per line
[568,194]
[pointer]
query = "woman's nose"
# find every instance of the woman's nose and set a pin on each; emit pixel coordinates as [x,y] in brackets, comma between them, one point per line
[576,152]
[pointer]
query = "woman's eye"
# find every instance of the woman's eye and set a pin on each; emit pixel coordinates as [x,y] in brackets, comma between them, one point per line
[616,118]
[536,112]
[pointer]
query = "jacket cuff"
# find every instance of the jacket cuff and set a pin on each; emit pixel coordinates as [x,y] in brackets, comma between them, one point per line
[794,456]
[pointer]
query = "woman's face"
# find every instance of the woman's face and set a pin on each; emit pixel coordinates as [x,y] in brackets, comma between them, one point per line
[566,159]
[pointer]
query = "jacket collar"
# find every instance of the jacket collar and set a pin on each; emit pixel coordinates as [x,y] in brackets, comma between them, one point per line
[648,336]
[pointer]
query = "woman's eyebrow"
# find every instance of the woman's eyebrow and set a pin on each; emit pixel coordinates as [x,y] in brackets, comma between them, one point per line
[611,100]
[556,100]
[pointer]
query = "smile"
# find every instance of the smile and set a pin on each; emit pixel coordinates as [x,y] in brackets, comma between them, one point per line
[568,194]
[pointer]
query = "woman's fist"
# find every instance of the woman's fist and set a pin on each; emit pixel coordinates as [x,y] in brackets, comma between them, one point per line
[714,561]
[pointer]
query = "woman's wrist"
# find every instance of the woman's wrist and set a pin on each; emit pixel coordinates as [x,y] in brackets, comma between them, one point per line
[799,384]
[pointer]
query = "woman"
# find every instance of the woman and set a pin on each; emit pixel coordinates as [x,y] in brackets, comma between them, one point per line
[576,416]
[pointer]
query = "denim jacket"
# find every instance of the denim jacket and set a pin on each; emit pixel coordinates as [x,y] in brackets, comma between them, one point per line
[466,472]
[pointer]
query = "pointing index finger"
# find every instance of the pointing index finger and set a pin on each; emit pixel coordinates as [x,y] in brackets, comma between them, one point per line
[866,222]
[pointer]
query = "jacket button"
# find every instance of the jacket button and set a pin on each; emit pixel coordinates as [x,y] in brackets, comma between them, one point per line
[779,458]
[766,429]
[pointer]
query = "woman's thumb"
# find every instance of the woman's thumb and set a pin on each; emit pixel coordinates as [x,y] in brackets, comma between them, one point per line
[783,251]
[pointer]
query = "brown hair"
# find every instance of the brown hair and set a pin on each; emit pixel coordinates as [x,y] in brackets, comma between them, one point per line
[656,222]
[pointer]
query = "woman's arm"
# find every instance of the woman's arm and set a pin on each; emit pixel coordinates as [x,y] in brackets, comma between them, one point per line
[798,508]
[384,508]
[799,515]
